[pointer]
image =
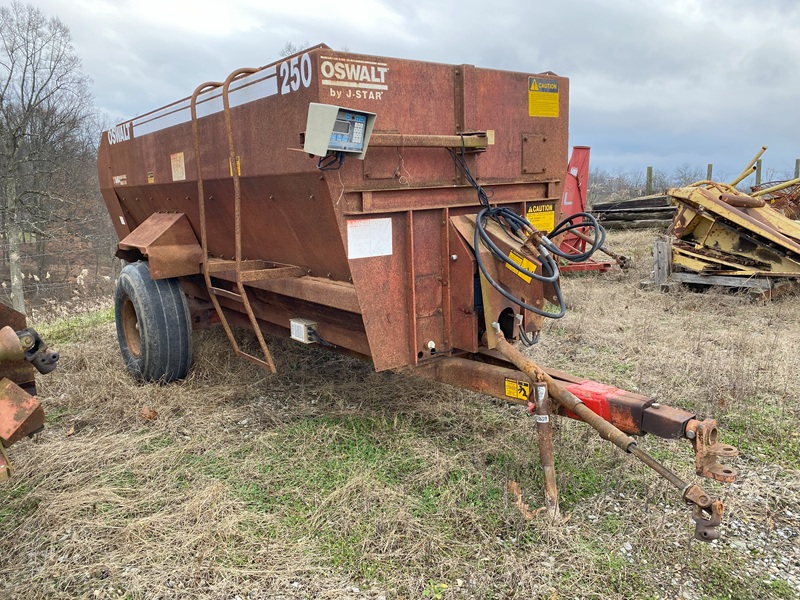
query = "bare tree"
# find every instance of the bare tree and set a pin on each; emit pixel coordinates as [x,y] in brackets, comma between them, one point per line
[290,48]
[46,113]
[685,174]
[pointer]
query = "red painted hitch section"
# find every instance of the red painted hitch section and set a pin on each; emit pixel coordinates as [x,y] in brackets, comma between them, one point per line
[632,413]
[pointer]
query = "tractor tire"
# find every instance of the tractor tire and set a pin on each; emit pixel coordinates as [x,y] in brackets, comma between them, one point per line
[153,325]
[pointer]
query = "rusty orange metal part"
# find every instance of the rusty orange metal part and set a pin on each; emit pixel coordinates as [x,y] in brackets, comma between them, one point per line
[21,352]
[707,512]
[20,413]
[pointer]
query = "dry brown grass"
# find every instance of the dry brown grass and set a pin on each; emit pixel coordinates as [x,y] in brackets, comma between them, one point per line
[331,481]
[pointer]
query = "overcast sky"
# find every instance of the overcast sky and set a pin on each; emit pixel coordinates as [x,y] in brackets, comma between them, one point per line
[653,82]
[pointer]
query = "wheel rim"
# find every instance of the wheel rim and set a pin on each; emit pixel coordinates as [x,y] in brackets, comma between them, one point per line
[130,326]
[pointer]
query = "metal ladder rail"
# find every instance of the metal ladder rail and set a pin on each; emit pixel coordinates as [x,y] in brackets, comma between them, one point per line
[234,163]
[213,291]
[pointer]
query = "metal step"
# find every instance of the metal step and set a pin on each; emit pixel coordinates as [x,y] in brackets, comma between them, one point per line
[226,294]
[252,270]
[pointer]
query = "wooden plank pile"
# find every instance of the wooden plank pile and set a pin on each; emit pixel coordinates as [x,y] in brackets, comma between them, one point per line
[636,213]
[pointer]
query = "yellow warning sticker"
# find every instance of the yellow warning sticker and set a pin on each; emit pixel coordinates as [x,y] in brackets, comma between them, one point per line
[542,216]
[522,262]
[543,98]
[151,177]
[521,390]
[238,166]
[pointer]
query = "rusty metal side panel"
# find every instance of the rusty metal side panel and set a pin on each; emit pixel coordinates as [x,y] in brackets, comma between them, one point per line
[115,211]
[287,220]
[20,413]
[428,282]
[464,321]
[505,98]
[380,251]
[13,318]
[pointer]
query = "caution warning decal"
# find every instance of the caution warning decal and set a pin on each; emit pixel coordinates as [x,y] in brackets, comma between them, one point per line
[521,390]
[522,262]
[543,98]
[542,216]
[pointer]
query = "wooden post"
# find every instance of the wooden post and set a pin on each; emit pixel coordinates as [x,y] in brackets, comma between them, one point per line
[710,171]
[758,172]
[797,168]
[649,189]
[662,261]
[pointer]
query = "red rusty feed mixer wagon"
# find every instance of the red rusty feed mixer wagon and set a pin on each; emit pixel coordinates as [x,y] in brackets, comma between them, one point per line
[401,211]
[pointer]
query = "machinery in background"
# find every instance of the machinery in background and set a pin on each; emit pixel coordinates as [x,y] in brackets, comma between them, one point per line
[722,236]
[574,202]
[22,351]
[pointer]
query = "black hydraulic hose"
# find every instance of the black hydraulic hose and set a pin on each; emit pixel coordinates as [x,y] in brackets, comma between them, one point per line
[521,228]
[548,264]
[557,288]
[568,225]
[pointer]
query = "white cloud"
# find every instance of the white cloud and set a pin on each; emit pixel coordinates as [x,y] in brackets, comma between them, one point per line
[652,81]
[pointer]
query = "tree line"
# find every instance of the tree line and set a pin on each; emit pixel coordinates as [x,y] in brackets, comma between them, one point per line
[608,186]
[54,232]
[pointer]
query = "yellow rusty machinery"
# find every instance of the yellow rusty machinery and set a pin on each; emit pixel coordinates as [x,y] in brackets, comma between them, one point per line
[720,232]
[783,196]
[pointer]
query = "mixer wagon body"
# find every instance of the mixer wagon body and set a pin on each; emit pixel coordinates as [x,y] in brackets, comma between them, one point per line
[374,253]
[397,210]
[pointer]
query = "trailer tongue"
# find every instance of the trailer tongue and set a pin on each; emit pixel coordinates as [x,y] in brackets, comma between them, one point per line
[406,212]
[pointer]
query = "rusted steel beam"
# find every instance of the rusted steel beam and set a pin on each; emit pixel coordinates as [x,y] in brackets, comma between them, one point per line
[472,141]
[632,413]
[274,311]
[272,273]
[221,265]
[665,421]
[340,295]
[506,384]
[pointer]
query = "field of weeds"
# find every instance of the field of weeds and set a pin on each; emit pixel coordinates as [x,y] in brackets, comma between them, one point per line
[331,481]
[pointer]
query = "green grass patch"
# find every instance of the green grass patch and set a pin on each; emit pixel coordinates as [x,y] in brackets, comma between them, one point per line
[725,580]
[16,504]
[764,434]
[208,464]
[577,482]
[155,444]
[55,414]
[346,446]
[263,498]
[74,328]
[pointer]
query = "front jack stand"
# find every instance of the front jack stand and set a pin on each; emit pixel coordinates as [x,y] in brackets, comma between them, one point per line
[707,514]
[544,427]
